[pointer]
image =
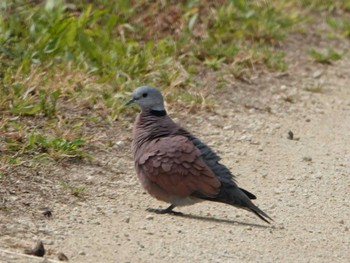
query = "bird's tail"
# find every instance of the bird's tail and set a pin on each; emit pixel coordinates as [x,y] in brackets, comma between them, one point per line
[239,198]
[258,212]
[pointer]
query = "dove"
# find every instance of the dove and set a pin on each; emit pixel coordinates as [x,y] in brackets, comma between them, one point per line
[176,167]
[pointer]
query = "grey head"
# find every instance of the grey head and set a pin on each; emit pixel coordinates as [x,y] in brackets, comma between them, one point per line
[148,98]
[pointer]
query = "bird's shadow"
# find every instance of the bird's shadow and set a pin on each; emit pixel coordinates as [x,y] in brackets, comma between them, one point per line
[220,220]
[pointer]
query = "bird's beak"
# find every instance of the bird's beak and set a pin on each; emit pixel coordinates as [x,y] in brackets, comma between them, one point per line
[130,102]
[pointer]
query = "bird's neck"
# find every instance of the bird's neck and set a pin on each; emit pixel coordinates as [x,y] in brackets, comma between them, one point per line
[153,118]
[152,124]
[158,113]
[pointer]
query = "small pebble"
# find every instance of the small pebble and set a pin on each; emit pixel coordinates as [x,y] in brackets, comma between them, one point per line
[307,159]
[246,137]
[277,191]
[62,257]
[49,242]
[119,144]
[317,74]
[38,250]
[149,217]
[47,213]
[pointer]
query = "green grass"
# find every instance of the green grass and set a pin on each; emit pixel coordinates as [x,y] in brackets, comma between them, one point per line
[324,5]
[66,66]
[38,146]
[116,48]
[341,25]
[325,57]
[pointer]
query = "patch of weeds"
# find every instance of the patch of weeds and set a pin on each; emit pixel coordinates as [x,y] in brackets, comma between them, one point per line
[244,27]
[48,102]
[239,71]
[12,136]
[88,37]
[246,20]
[216,51]
[342,24]
[109,40]
[325,57]
[15,161]
[214,63]
[77,191]
[21,100]
[40,148]
[56,148]
[277,61]
[191,99]
[272,59]
[259,55]
[188,96]
[326,5]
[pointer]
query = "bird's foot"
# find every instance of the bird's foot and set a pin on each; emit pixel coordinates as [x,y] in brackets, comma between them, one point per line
[163,211]
[168,210]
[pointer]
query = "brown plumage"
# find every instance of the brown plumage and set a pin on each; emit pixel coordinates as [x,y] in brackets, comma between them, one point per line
[174,166]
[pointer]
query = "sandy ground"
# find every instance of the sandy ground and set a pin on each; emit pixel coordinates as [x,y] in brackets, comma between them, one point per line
[303,184]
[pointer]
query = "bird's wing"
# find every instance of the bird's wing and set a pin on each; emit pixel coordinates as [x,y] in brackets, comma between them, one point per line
[176,165]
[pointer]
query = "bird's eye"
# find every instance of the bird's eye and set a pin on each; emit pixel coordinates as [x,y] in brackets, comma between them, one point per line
[144,95]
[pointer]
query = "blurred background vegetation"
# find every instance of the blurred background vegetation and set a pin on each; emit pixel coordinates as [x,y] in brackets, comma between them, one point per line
[67,64]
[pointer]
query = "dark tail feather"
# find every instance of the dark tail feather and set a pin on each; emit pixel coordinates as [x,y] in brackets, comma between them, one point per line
[237,197]
[241,198]
[249,194]
[261,214]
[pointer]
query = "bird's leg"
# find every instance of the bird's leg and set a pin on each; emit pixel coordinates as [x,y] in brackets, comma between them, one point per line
[168,210]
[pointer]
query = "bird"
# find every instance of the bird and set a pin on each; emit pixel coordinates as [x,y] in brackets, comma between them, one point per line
[176,167]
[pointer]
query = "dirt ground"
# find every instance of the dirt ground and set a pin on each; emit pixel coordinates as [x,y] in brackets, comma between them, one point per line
[303,184]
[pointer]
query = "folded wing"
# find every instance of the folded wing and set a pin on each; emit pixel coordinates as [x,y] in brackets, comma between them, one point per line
[176,166]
